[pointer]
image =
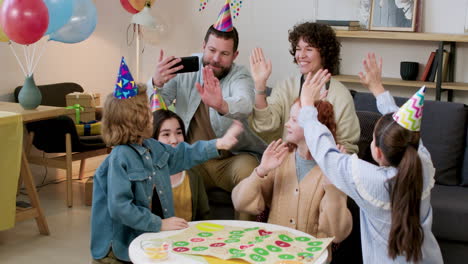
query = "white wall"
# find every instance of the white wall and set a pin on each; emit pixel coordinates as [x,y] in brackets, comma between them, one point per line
[265,23]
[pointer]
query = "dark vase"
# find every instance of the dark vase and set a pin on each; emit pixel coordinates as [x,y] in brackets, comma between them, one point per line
[409,70]
[30,96]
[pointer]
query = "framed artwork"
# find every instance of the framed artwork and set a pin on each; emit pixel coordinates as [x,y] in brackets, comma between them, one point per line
[394,15]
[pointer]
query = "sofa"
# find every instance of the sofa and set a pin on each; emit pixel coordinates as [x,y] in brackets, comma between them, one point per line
[444,133]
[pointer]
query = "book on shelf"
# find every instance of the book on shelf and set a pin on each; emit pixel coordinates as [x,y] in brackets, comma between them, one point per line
[435,65]
[444,64]
[350,23]
[427,68]
[347,28]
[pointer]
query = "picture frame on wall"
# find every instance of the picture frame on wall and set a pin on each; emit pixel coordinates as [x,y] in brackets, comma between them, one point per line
[394,15]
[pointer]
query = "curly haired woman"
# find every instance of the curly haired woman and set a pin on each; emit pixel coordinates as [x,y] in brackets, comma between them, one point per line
[313,47]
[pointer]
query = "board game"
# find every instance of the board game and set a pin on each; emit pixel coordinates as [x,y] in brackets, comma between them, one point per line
[251,244]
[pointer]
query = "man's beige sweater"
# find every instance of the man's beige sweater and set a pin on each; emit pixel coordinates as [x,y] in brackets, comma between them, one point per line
[269,122]
[310,206]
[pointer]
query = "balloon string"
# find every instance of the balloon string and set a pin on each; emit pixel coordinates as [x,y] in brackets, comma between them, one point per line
[25,51]
[40,54]
[33,57]
[16,56]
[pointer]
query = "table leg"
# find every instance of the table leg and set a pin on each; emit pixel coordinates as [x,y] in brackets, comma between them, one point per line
[36,210]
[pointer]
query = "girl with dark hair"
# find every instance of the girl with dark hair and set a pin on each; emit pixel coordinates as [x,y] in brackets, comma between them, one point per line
[289,183]
[188,189]
[394,197]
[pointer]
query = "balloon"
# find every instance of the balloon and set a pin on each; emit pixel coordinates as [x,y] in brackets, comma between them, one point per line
[81,24]
[134,6]
[60,12]
[127,6]
[24,21]
[139,4]
[3,37]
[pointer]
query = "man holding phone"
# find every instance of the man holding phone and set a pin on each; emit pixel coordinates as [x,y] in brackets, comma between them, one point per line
[225,92]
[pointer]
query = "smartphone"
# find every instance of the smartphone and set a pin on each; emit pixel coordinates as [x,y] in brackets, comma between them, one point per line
[191,64]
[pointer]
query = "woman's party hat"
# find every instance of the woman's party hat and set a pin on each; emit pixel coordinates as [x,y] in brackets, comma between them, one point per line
[410,114]
[125,87]
[224,22]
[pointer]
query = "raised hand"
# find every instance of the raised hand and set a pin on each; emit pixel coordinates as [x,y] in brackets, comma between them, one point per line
[312,86]
[173,223]
[210,92]
[259,68]
[230,137]
[164,72]
[372,78]
[272,158]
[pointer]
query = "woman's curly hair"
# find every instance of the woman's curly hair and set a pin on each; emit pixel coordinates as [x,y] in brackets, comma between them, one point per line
[321,37]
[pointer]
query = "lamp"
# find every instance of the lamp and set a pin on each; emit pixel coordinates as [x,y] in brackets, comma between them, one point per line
[142,18]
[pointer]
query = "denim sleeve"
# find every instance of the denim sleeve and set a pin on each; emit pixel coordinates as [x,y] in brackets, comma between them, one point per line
[120,200]
[186,156]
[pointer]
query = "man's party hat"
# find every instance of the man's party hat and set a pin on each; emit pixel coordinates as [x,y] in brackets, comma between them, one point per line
[224,22]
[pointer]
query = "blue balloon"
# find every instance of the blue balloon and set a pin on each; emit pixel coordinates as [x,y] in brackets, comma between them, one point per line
[60,12]
[81,24]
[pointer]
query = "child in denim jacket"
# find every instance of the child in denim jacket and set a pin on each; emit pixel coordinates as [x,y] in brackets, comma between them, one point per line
[135,178]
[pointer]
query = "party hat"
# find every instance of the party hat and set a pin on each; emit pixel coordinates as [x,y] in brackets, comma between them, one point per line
[224,22]
[125,87]
[410,114]
[157,102]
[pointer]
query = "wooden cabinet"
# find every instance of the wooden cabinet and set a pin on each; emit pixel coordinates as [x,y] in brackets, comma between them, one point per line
[441,39]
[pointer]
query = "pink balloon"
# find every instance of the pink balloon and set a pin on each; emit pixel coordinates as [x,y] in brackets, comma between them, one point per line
[24,21]
[127,6]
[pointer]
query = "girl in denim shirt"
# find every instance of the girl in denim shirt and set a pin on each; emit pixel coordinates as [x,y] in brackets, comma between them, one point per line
[135,178]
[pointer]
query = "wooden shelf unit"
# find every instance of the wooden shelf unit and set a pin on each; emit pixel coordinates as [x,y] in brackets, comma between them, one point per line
[400,82]
[442,39]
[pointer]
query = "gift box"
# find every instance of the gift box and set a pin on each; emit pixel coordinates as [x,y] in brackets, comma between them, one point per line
[82,114]
[83,99]
[89,128]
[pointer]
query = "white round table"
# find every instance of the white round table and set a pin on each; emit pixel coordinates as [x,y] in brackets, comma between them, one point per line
[137,256]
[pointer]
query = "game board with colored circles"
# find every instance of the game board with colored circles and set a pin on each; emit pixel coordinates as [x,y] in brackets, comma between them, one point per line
[254,244]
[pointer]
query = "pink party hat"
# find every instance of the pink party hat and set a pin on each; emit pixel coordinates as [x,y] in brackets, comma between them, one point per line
[224,22]
[410,114]
[157,102]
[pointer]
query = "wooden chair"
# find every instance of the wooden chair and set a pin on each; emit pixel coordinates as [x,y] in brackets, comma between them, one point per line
[59,135]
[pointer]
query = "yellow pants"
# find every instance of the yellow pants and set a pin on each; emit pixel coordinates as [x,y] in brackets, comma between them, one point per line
[227,171]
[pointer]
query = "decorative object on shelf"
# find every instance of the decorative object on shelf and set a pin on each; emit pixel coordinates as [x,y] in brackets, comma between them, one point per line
[364,13]
[409,70]
[394,15]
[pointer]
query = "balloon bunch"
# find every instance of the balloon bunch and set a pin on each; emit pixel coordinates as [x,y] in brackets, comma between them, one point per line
[27,21]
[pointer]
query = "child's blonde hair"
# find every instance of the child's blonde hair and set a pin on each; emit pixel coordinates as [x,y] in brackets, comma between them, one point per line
[127,121]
